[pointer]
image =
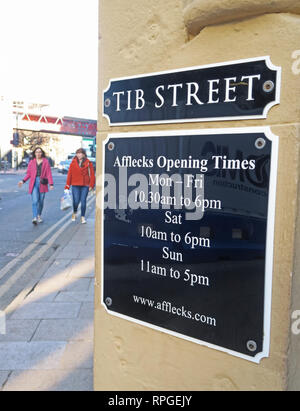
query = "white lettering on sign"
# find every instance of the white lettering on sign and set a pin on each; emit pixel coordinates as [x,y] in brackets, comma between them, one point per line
[191,93]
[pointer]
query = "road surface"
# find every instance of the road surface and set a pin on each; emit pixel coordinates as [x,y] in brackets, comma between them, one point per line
[25,249]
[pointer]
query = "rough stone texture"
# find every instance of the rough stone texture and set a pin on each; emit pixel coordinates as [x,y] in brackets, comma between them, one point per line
[276,35]
[157,28]
[202,13]
[136,357]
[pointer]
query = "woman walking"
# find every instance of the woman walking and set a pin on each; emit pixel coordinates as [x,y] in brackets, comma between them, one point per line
[39,173]
[81,177]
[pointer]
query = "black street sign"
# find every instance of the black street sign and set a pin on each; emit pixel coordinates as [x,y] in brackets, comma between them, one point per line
[244,89]
[188,222]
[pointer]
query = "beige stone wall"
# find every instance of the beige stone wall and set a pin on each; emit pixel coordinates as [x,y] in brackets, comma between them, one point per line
[293,371]
[202,13]
[144,36]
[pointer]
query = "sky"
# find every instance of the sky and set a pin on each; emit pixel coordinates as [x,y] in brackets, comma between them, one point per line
[49,54]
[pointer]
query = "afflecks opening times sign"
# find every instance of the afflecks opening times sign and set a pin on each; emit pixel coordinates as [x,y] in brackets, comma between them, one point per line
[241,89]
[188,220]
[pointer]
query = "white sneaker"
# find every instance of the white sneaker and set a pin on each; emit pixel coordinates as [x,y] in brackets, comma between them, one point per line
[34,221]
[83,220]
[74,217]
[39,219]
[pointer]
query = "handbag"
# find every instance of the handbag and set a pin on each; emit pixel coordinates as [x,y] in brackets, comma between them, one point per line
[44,181]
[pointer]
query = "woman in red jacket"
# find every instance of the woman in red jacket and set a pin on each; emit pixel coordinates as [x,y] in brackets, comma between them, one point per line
[81,177]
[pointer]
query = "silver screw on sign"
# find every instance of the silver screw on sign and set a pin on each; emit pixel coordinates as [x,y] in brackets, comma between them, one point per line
[108,301]
[268,86]
[107,102]
[260,143]
[251,345]
[111,146]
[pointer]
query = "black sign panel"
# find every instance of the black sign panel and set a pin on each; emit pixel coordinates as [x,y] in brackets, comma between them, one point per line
[187,237]
[233,90]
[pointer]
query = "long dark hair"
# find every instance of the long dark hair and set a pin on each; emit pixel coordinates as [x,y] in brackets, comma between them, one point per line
[38,148]
[81,150]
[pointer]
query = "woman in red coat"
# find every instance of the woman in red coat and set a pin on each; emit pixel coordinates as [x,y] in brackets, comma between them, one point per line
[81,177]
[39,173]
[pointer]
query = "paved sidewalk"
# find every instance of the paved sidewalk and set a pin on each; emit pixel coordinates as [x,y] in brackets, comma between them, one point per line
[48,343]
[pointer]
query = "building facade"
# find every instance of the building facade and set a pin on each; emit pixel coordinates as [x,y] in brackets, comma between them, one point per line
[33,124]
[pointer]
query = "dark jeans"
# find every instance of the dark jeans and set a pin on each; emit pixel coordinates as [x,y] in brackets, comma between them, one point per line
[79,194]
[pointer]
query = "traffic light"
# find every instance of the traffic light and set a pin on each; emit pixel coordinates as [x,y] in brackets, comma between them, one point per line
[16,140]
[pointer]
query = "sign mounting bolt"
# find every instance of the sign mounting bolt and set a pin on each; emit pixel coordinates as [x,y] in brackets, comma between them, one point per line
[268,86]
[260,143]
[251,345]
[108,301]
[111,146]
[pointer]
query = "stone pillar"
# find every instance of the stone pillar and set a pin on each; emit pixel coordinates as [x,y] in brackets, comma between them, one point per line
[144,36]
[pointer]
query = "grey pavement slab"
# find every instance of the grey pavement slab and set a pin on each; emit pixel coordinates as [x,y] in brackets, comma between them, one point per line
[87,250]
[41,297]
[87,311]
[77,284]
[77,380]
[86,254]
[48,289]
[78,354]
[19,330]
[51,380]
[31,355]
[92,286]
[71,296]
[47,311]
[70,253]
[82,268]
[87,274]
[3,377]
[58,268]
[14,287]
[91,241]
[79,240]
[71,247]
[64,330]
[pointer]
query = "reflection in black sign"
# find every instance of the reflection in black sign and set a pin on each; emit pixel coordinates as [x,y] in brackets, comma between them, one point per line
[243,89]
[185,229]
